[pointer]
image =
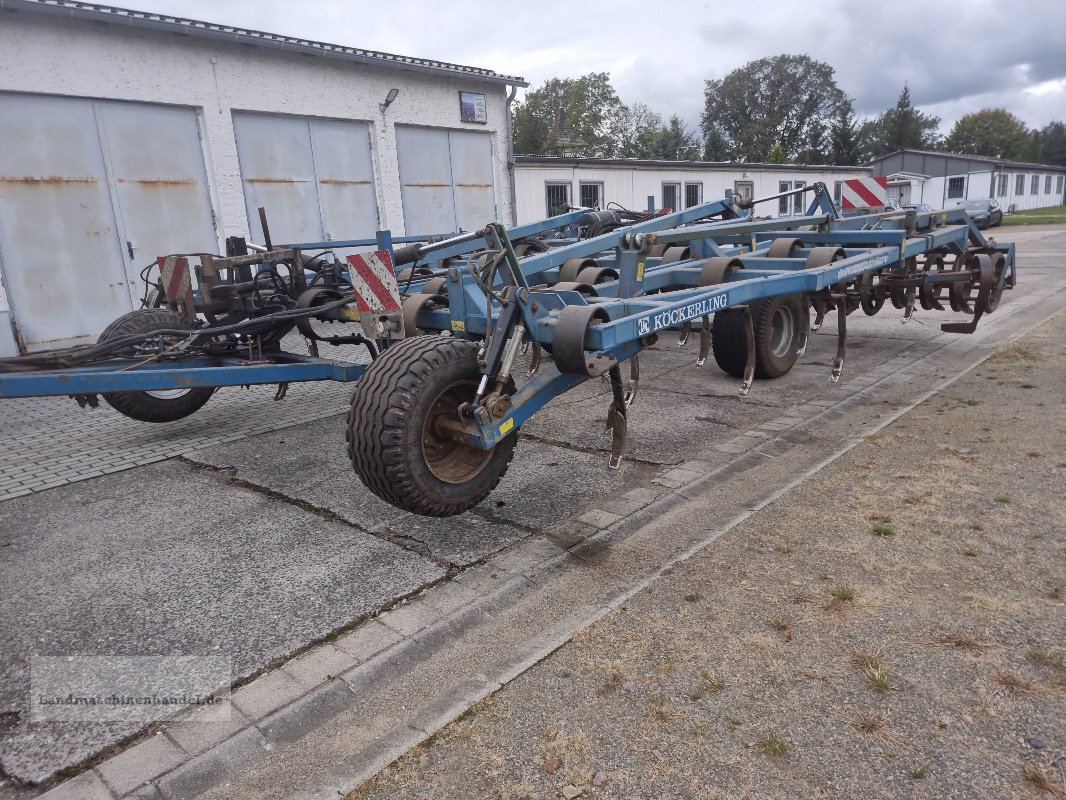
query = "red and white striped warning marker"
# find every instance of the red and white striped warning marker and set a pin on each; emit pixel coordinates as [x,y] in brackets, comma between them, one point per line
[864,193]
[376,293]
[177,284]
[374,281]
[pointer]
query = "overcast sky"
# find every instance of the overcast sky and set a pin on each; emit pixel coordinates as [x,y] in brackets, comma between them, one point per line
[956,56]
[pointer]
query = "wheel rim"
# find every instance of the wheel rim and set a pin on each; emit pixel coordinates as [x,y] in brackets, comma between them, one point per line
[451,460]
[783,332]
[167,394]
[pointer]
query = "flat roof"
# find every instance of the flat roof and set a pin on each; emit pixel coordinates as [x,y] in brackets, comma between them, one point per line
[999,162]
[720,166]
[191,27]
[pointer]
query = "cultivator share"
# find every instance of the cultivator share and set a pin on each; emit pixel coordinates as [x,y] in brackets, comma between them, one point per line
[436,414]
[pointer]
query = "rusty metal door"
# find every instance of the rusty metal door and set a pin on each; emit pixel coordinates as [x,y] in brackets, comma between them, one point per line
[446,180]
[90,193]
[315,178]
[278,170]
[475,193]
[345,173]
[160,182]
[60,248]
[425,181]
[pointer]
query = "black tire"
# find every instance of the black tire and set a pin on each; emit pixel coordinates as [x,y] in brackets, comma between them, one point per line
[778,323]
[162,406]
[394,446]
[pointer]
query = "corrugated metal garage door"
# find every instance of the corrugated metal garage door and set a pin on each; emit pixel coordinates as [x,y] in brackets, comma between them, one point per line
[91,192]
[315,178]
[446,179]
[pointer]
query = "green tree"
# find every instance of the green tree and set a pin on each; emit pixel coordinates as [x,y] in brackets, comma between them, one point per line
[901,127]
[776,155]
[993,132]
[715,146]
[845,147]
[816,145]
[569,116]
[1053,144]
[636,130]
[1031,150]
[675,142]
[775,100]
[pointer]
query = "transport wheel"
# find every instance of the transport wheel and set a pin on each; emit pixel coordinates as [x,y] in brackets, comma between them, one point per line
[158,405]
[778,323]
[401,434]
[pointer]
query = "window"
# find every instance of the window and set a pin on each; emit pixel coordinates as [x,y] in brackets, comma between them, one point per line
[793,204]
[1001,188]
[693,194]
[1059,184]
[1047,184]
[672,196]
[744,189]
[836,190]
[591,194]
[558,196]
[1034,185]
[1019,184]
[956,188]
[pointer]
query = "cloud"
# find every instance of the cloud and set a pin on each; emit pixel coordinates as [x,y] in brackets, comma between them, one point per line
[956,57]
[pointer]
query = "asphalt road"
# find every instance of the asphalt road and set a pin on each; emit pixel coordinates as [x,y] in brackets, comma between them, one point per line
[258,547]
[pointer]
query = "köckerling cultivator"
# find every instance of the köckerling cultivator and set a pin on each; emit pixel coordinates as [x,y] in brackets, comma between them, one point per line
[436,416]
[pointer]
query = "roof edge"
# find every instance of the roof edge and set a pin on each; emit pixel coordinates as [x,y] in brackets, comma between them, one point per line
[648,162]
[74,9]
[1003,162]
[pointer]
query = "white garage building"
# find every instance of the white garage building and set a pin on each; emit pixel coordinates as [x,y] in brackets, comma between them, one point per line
[126,135]
[943,179]
[545,184]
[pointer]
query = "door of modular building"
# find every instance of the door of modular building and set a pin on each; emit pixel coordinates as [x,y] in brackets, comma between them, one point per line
[315,178]
[446,179]
[90,193]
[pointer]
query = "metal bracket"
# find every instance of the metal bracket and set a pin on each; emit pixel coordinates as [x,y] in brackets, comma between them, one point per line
[87,400]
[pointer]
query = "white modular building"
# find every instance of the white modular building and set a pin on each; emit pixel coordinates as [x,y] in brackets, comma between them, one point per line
[544,185]
[126,135]
[944,179]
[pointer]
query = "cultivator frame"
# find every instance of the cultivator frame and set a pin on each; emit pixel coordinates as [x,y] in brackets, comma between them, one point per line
[581,306]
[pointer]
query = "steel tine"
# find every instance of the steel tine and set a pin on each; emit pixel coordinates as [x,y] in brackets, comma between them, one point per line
[842,339]
[705,340]
[685,332]
[749,367]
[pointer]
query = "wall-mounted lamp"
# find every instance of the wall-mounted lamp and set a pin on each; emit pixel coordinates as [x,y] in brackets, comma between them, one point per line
[388,99]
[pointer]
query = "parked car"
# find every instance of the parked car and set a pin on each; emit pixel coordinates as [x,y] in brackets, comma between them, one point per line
[921,208]
[985,212]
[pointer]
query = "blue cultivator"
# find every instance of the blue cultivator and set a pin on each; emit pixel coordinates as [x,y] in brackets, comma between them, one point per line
[434,423]
[435,418]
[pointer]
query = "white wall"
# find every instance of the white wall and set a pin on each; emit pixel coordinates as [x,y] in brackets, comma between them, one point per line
[977,185]
[630,185]
[50,55]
